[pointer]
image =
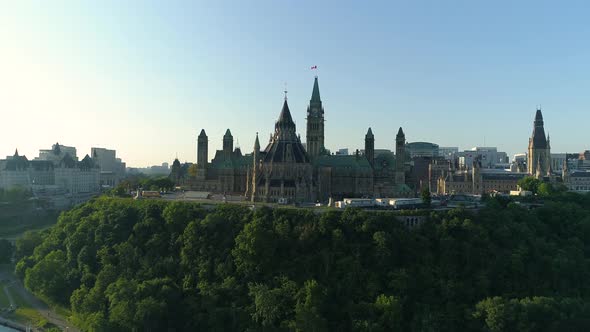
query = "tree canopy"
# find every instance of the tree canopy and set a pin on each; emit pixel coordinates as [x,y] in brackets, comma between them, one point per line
[152,265]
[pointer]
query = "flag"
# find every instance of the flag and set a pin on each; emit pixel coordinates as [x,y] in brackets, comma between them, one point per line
[314,67]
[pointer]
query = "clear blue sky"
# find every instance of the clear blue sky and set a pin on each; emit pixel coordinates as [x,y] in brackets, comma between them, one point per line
[144,77]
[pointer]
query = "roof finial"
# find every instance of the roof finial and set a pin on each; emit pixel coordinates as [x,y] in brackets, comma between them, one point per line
[285,91]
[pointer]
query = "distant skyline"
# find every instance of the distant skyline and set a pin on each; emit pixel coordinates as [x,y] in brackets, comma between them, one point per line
[144,77]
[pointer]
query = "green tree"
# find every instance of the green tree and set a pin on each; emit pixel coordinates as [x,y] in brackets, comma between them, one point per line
[426,197]
[309,307]
[529,183]
[49,277]
[25,244]
[6,251]
[192,171]
[545,189]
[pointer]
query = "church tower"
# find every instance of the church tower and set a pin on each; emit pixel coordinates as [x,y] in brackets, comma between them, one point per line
[539,151]
[315,123]
[400,156]
[228,144]
[202,154]
[370,147]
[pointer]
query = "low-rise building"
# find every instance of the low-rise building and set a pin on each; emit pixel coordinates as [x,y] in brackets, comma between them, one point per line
[56,177]
[578,181]
[477,181]
[488,157]
[422,149]
[448,153]
[112,169]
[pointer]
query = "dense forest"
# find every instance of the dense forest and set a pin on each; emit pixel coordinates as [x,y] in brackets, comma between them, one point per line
[124,265]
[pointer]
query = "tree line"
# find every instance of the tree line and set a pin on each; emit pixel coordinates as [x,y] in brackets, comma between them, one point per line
[124,265]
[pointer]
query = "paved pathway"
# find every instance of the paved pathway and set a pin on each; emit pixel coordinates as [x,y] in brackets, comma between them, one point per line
[34,302]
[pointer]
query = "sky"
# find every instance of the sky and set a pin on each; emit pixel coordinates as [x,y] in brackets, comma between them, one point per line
[144,77]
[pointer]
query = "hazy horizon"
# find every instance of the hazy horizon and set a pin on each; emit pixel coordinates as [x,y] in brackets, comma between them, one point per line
[144,78]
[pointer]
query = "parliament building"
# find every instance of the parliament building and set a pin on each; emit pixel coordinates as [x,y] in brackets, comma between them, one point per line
[287,171]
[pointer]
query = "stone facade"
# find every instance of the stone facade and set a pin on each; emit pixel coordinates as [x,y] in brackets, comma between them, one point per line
[539,151]
[287,170]
[478,181]
[72,180]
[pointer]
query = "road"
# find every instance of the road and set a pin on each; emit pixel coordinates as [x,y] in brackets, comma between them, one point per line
[36,304]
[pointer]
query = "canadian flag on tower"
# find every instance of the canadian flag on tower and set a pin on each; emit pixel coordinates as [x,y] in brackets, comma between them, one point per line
[314,67]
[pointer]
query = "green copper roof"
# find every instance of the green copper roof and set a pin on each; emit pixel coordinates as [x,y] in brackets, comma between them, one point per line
[369,133]
[227,133]
[384,160]
[342,161]
[203,134]
[236,161]
[315,95]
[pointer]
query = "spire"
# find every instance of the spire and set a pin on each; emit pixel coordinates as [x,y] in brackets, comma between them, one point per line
[369,133]
[16,153]
[203,134]
[539,140]
[256,143]
[285,116]
[315,94]
[227,133]
[539,115]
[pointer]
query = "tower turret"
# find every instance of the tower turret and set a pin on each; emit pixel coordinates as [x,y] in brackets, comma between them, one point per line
[202,148]
[202,154]
[228,143]
[400,155]
[315,123]
[370,146]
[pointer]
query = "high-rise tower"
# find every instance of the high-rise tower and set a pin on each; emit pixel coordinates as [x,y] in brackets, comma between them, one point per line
[539,152]
[370,146]
[400,156]
[315,123]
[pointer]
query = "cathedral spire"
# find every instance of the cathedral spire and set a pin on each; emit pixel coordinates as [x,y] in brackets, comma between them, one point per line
[539,151]
[16,153]
[315,94]
[315,123]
